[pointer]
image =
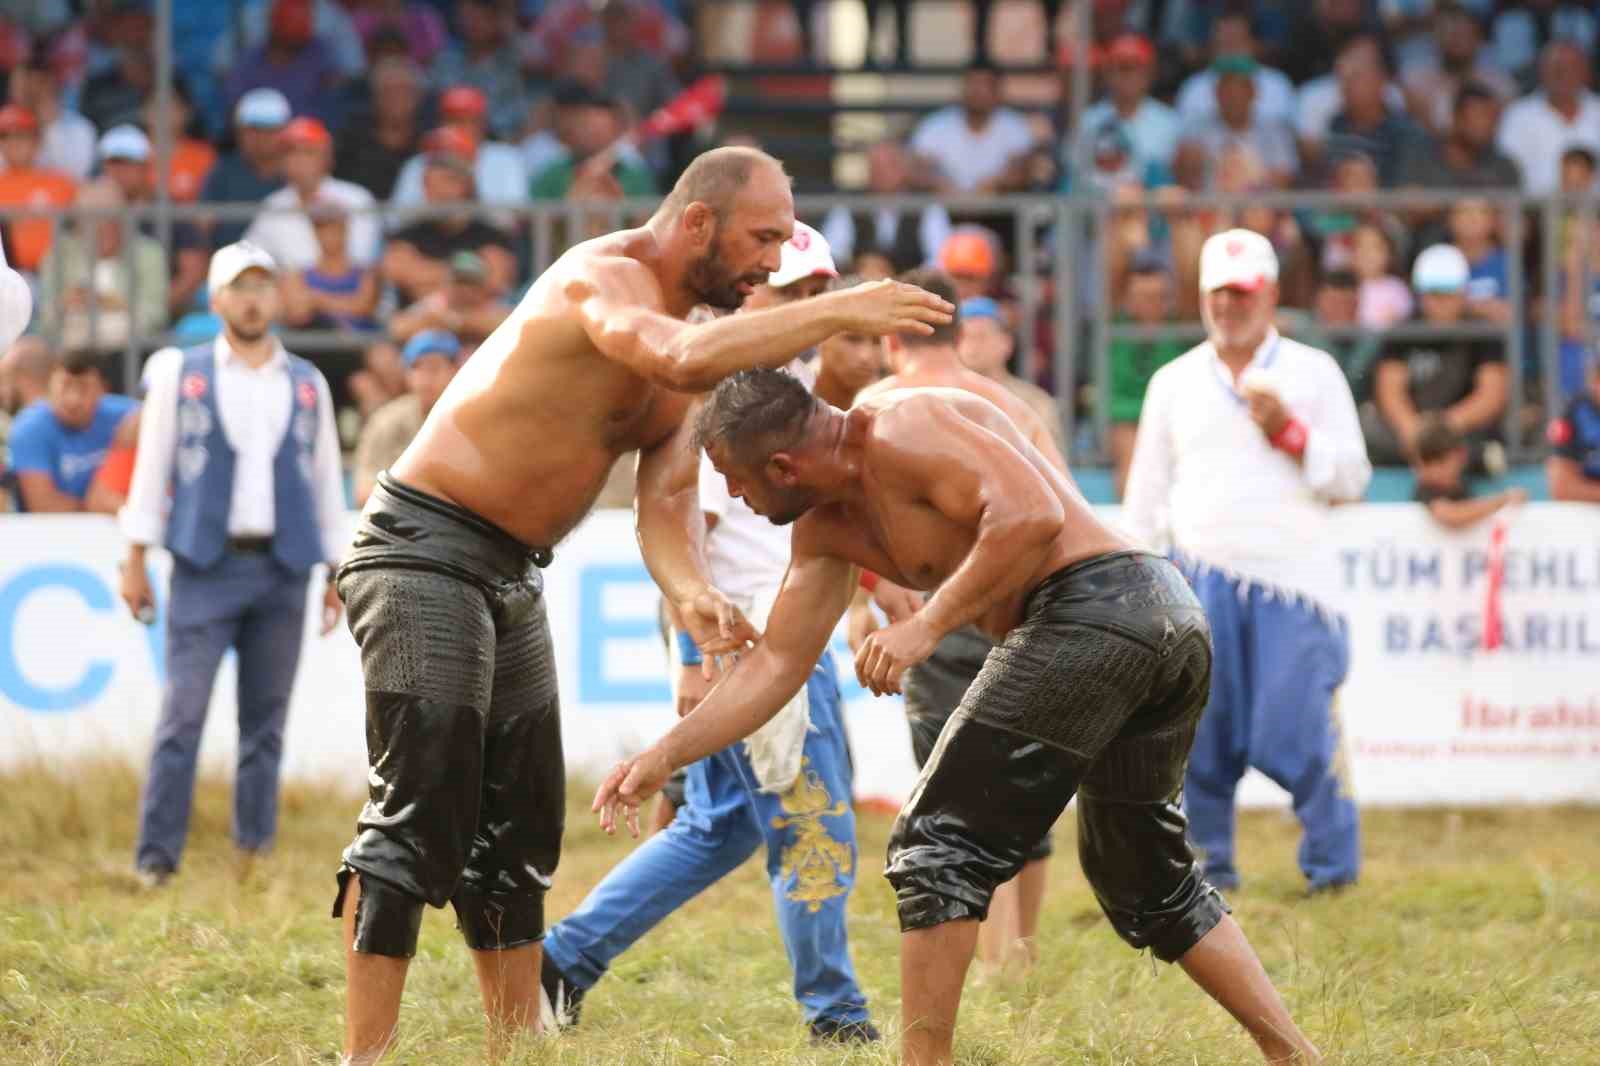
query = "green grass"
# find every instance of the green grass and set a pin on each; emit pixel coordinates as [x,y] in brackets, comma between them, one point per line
[1474,938]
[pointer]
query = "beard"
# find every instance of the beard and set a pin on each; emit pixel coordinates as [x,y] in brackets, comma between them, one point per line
[250,329]
[714,284]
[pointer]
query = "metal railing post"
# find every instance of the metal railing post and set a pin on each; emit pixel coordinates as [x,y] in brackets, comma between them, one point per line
[1064,290]
[1028,274]
[1553,297]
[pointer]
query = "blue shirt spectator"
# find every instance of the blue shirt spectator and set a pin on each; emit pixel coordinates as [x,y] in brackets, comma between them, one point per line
[1573,468]
[256,169]
[59,443]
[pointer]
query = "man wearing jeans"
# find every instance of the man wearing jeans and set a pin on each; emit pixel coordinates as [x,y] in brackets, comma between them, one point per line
[787,787]
[238,477]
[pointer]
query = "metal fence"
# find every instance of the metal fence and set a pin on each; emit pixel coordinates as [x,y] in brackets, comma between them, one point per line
[1052,242]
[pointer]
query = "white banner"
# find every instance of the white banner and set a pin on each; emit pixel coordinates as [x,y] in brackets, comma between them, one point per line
[1429,717]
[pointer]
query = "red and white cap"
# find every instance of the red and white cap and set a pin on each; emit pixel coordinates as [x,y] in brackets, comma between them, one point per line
[805,255]
[1237,259]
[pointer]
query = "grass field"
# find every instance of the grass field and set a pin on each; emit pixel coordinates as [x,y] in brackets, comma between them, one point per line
[1474,938]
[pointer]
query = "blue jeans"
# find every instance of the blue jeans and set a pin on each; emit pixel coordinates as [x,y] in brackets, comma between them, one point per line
[253,605]
[1276,667]
[809,831]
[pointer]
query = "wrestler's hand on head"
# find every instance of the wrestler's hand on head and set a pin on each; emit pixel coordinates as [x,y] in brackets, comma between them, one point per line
[886,307]
[717,626]
[627,786]
[885,655]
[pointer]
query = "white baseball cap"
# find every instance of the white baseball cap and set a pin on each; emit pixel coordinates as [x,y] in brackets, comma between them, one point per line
[125,142]
[231,260]
[1238,259]
[1439,269]
[805,255]
[262,109]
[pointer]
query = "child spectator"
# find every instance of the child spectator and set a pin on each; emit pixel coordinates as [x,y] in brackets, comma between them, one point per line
[1463,381]
[58,444]
[1474,230]
[1440,467]
[1573,469]
[335,292]
[1146,301]
[467,307]
[1384,298]
[1333,307]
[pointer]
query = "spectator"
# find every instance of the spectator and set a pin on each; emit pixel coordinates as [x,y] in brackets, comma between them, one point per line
[985,345]
[1440,468]
[125,160]
[113,96]
[1580,301]
[419,24]
[25,374]
[908,239]
[498,169]
[238,475]
[846,362]
[1522,30]
[1146,300]
[1466,157]
[1321,99]
[252,172]
[192,157]
[1573,468]
[335,292]
[978,146]
[1335,307]
[968,256]
[1458,59]
[58,444]
[97,293]
[24,184]
[563,24]
[485,57]
[636,75]
[283,231]
[593,149]
[1319,32]
[467,308]
[1474,230]
[1367,120]
[330,25]
[1464,381]
[374,145]
[1232,35]
[1538,128]
[66,138]
[1384,298]
[431,358]
[381,378]
[1237,125]
[416,260]
[293,61]
[1152,127]
[1354,174]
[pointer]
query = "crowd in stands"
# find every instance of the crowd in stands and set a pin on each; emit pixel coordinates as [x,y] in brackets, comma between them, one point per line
[386,146]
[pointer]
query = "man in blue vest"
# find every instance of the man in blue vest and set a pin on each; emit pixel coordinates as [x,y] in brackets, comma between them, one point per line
[238,476]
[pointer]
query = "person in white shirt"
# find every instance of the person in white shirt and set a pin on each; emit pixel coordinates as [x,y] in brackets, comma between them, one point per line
[788,786]
[1231,35]
[978,146]
[1152,127]
[1536,130]
[66,138]
[238,477]
[285,232]
[1244,442]
[499,171]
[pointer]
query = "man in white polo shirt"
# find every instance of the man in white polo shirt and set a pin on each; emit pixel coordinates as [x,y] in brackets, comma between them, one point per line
[1538,129]
[1243,443]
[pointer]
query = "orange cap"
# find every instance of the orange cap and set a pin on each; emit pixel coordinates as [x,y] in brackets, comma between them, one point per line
[967,253]
[450,141]
[463,101]
[306,133]
[17,119]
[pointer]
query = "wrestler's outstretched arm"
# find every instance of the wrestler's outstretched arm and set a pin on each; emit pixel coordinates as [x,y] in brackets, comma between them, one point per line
[672,531]
[815,592]
[620,303]
[926,450]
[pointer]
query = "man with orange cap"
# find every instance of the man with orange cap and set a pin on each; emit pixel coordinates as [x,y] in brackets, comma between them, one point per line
[284,229]
[24,185]
[968,257]
[497,169]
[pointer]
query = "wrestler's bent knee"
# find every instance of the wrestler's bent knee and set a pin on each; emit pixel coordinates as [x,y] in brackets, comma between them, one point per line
[499,921]
[387,920]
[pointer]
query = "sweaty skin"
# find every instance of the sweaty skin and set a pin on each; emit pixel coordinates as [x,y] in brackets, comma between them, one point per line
[597,361]
[931,488]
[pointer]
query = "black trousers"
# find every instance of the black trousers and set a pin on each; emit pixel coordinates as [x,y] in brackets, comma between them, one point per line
[1096,693]
[466,793]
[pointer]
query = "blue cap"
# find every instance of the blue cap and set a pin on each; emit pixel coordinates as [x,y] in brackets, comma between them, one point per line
[981,307]
[431,342]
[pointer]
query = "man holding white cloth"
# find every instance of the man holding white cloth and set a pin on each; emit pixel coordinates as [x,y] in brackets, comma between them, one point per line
[1243,444]
[788,785]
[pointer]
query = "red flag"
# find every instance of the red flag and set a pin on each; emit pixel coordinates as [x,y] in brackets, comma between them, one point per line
[1493,627]
[698,104]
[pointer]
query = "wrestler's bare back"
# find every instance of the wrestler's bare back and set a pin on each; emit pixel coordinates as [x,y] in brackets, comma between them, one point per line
[530,427]
[896,531]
